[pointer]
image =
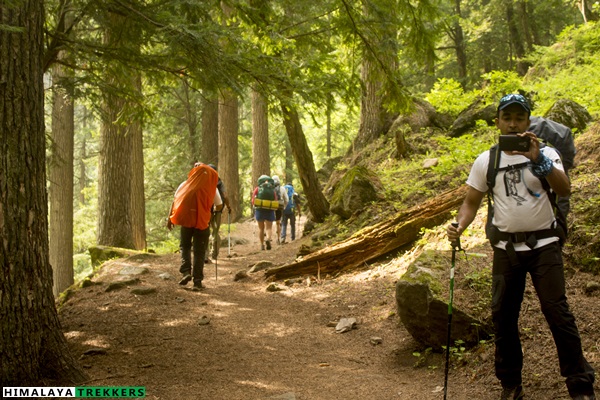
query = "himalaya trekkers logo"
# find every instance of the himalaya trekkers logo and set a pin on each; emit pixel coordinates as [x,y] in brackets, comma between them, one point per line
[83,392]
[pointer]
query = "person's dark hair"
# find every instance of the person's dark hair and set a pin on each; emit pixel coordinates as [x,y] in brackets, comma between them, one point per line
[515,98]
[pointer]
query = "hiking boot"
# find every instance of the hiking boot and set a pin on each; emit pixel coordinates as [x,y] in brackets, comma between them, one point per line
[197,287]
[584,397]
[186,278]
[262,246]
[207,261]
[512,393]
[268,244]
[283,241]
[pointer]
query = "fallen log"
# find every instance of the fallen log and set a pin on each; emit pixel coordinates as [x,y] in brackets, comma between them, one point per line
[374,241]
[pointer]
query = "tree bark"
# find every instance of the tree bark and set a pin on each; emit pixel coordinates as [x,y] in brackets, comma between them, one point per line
[459,42]
[32,346]
[261,160]
[516,40]
[138,199]
[115,223]
[228,150]
[374,241]
[60,180]
[375,119]
[209,153]
[289,162]
[190,118]
[315,200]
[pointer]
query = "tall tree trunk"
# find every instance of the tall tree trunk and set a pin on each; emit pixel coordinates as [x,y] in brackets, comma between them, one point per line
[261,159]
[60,177]
[81,173]
[459,43]
[525,24]
[209,153]
[138,199]
[289,162]
[33,347]
[375,119]
[329,109]
[516,40]
[228,150]
[115,223]
[191,120]
[316,201]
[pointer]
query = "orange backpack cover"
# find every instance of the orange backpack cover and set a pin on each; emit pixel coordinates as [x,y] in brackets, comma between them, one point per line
[194,198]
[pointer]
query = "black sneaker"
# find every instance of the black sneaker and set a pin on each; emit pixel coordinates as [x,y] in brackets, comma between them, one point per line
[197,287]
[186,278]
[268,244]
[512,393]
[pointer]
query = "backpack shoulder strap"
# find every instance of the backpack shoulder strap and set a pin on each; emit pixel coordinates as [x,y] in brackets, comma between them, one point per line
[492,170]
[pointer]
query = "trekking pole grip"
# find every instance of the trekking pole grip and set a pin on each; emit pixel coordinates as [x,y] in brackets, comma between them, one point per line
[456,244]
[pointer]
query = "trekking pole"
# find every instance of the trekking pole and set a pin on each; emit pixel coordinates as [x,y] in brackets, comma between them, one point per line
[216,262]
[228,235]
[455,247]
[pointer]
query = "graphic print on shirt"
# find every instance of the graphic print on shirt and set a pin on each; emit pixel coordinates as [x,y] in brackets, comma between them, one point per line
[512,179]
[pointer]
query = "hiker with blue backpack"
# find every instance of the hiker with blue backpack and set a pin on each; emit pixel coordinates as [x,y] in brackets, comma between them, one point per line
[526,237]
[265,202]
[289,213]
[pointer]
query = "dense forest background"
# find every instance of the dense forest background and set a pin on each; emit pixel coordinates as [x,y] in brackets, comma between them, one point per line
[144,89]
[137,91]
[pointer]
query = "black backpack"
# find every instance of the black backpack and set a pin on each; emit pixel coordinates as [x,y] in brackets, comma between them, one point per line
[492,233]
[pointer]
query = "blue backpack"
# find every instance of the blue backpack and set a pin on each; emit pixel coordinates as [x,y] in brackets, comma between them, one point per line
[290,191]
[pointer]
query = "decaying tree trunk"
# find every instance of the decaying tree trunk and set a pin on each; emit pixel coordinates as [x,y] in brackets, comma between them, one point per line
[376,240]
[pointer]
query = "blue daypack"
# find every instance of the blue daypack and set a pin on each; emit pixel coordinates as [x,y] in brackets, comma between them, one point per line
[290,191]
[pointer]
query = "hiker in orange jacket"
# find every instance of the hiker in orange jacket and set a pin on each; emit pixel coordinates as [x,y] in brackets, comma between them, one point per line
[191,209]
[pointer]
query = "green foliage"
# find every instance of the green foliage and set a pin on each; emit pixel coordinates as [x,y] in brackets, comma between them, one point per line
[448,96]
[82,266]
[499,83]
[568,69]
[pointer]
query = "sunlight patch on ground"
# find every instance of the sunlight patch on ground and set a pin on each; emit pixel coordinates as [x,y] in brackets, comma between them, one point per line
[261,385]
[223,303]
[73,334]
[97,342]
[274,329]
[175,322]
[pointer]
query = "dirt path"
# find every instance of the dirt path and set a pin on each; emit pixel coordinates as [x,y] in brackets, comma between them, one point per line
[236,340]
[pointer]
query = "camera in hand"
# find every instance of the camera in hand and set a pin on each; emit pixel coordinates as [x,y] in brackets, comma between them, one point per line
[513,143]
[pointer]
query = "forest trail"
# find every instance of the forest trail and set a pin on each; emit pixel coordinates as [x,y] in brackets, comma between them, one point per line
[236,340]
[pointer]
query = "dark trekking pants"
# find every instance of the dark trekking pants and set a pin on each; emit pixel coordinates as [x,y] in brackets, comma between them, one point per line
[196,238]
[291,217]
[508,285]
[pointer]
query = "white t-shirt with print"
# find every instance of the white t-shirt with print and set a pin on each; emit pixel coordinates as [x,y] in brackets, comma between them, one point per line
[520,202]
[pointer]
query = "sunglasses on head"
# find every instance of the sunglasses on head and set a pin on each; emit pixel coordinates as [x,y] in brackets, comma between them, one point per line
[514,99]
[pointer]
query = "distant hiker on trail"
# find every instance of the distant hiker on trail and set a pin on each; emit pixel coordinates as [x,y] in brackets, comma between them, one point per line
[289,213]
[265,202]
[215,221]
[191,209]
[525,237]
[282,196]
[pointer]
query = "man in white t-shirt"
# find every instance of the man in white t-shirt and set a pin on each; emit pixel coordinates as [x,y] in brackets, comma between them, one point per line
[525,240]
